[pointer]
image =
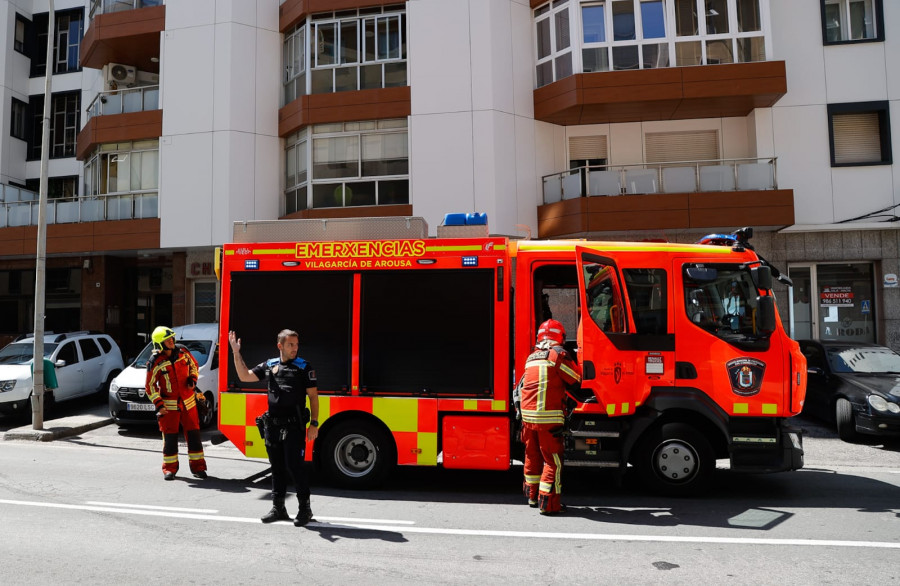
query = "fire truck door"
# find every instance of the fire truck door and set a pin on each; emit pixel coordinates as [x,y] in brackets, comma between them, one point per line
[607,360]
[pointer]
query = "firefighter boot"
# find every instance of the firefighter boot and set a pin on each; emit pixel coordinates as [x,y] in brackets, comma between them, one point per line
[278,512]
[305,514]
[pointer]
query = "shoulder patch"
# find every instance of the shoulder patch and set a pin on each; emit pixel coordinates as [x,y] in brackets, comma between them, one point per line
[272,362]
[311,375]
[299,362]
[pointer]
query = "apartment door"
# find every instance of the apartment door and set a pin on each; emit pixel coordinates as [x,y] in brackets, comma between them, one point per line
[832,301]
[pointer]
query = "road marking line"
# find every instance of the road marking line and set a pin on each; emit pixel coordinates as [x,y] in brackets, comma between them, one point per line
[153,507]
[489,533]
[353,520]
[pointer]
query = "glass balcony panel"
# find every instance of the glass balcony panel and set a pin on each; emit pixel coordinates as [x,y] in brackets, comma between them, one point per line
[370,77]
[67,212]
[595,59]
[20,214]
[603,183]
[572,186]
[395,74]
[641,181]
[552,189]
[151,98]
[716,178]
[92,210]
[755,176]
[625,57]
[3,217]
[132,102]
[679,180]
[393,192]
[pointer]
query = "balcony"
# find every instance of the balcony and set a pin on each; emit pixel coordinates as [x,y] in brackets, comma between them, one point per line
[681,195]
[23,211]
[120,116]
[675,93]
[126,101]
[124,31]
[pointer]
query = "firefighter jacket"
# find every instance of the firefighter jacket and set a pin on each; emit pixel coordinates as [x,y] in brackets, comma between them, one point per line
[548,371]
[168,379]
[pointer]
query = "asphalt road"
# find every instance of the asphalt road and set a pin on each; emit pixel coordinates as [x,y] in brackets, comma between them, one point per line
[94,509]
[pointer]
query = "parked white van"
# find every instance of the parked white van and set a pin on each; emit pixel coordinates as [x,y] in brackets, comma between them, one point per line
[128,401]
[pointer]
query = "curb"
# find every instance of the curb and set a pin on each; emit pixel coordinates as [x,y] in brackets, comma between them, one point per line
[53,433]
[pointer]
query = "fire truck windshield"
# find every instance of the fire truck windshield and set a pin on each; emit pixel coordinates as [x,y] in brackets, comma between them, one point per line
[721,299]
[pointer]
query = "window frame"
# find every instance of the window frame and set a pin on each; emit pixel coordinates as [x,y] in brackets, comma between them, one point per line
[882,108]
[22,46]
[68,120]
[18,119]
[38,37]
[878,12]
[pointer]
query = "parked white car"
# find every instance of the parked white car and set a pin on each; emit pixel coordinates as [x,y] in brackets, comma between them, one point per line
[128,401]
[86,362]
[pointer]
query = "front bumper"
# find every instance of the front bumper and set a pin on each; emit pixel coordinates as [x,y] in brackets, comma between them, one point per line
[884,425]
[128,406]
[773,450]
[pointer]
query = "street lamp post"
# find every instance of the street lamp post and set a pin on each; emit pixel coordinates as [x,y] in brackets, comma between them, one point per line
[40,272]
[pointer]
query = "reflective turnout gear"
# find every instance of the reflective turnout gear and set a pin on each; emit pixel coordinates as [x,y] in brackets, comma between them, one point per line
[168,377]
[548,370]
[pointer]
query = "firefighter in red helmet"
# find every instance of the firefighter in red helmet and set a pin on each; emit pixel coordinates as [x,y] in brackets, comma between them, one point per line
[171,378]
[548,371]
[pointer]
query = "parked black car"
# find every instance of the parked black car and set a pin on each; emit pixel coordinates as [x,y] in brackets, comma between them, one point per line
[855,385]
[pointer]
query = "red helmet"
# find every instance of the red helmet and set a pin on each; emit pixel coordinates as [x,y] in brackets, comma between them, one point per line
[552,330]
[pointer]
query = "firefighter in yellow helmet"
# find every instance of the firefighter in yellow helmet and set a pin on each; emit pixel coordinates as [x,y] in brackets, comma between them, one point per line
[171,379]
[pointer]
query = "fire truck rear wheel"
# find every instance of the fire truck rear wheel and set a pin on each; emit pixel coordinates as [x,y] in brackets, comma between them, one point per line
[676,460]
[357,454]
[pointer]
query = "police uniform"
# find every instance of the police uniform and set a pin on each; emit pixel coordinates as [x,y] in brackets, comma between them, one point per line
[286,431]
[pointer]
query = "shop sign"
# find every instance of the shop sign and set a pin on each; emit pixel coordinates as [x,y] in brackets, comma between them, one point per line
[841,296]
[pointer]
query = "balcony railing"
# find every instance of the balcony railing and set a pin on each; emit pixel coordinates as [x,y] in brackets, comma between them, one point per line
[125,101]
[673,177]
[23,211]
[108,6]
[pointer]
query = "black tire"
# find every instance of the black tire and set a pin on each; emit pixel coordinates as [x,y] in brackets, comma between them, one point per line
[675,460]
[210,417]
[846,422]
[356,454]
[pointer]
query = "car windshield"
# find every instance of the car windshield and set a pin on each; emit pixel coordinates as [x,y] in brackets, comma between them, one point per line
[23,353]
[869,359]
[198,348]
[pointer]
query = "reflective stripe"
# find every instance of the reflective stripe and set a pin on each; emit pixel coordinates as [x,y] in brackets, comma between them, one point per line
[195,455]
[569,371]
[545,417]
[170,459]
[532,478]
[742,408]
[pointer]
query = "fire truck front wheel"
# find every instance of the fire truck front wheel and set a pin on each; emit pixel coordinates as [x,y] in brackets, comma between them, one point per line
[357,454]
[675,459]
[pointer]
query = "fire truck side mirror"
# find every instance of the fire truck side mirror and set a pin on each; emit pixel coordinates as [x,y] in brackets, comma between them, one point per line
[762,277]
[765,315]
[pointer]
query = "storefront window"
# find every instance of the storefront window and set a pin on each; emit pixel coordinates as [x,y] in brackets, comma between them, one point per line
[833,302]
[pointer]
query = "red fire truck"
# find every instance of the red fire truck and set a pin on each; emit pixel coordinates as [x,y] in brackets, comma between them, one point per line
[418,341]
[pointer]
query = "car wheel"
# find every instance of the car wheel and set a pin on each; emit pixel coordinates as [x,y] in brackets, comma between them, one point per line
[675,459]
[357,454]
[210,417]
[846,422]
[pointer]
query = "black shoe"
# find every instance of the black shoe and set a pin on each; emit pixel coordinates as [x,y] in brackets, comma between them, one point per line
[562,509]
[304,515]
[532,503]
[169,476]
[201,474]
[278,513]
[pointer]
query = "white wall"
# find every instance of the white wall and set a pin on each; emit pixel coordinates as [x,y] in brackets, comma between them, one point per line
[220,152]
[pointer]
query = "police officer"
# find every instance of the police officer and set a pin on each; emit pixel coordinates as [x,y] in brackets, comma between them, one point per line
[171,379]
[548,371]
[290,380]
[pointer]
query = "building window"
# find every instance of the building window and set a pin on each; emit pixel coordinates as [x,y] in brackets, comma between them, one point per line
[64,124]
[20,39]
[57,187]
[205,302]
[860,134]
[123,168]
[833,301]
[347,164]
[19,119]
[553,42]
[852,21]
[346,51]
[67,34]
[613,35]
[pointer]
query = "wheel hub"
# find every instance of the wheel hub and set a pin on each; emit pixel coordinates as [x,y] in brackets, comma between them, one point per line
[676,461]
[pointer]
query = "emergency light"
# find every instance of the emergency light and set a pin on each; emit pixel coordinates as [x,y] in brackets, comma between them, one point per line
[251,265]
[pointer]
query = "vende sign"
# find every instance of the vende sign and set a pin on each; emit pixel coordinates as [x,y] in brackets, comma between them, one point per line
[839,296]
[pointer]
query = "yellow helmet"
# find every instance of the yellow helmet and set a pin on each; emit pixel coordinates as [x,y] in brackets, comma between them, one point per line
[160,335]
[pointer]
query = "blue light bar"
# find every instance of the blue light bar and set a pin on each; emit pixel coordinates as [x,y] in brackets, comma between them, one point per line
[470,261]
[251,265]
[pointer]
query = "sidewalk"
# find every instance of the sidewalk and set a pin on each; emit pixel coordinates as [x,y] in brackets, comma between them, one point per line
[90,417]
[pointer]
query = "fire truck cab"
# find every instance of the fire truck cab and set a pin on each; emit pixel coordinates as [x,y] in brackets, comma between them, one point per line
[417,343]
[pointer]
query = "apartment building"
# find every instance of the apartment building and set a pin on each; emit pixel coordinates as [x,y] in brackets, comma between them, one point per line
[625,119]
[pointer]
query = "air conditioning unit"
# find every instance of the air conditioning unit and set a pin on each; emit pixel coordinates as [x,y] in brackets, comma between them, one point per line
[119,75]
